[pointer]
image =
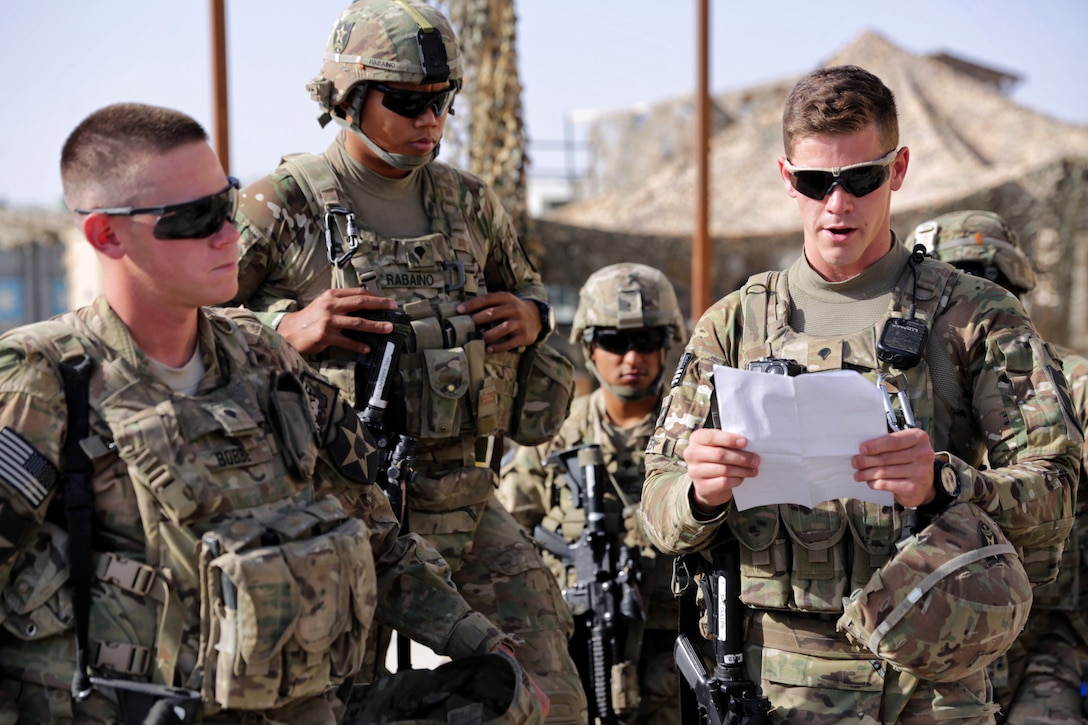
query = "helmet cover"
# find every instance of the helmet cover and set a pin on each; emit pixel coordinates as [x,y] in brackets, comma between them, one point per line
[949,602]
[628,296]
[980,237]
[386,41]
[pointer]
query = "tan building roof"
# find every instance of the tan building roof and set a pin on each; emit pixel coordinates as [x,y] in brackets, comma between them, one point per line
[963,133]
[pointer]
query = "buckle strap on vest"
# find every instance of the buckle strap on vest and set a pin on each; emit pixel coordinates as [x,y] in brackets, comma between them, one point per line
[130,575]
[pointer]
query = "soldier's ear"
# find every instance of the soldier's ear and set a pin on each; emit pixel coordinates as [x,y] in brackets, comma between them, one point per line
[101,232]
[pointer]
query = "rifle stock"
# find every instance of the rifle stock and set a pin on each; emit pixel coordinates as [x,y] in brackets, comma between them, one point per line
[376,378]
[724,696]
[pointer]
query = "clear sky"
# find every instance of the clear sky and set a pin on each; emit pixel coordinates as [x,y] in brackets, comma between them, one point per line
[62,59]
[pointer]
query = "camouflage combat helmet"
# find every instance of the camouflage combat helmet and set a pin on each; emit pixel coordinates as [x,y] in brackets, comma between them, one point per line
[383,41]
[979,239]
[951,600]
[627,296]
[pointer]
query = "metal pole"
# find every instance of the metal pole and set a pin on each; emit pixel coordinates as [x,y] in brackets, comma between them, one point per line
[219,83]
[700,243]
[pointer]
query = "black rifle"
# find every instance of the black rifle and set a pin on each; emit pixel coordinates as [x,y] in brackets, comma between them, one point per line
[606,594]
[377,377]
[725,696]
[379,402]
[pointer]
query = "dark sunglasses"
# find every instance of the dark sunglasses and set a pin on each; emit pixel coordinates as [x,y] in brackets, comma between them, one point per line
[412,104]
[856,179]
[197,219]
[619,342]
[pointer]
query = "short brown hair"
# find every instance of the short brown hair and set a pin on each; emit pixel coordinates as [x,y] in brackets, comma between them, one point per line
[839,100]
[103,154]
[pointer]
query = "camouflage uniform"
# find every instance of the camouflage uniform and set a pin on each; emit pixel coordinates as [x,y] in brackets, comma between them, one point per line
[252,491]
[536,494]
[1041,678]
[985,387]
[529,488]
[1049,678]
[460,400]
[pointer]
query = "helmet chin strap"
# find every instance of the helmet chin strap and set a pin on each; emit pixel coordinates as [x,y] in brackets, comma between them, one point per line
[403,162]
[625,392]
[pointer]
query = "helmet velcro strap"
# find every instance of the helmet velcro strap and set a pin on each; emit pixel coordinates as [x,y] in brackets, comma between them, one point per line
[949,567]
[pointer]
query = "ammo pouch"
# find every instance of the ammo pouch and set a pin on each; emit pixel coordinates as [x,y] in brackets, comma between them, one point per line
[37,602]
[545,392]
[453,391]
[286,606]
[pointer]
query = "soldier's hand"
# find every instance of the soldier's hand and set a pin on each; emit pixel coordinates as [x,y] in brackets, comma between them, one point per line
[900,462]
[717,463]
[507,320]
[320,324]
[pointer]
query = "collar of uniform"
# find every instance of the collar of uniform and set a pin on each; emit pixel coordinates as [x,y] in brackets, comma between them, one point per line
[879,279]
[114,333]
[370,181]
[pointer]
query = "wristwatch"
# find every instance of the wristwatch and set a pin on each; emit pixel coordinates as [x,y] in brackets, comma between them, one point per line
[945,479]
[547,320]
[946,482]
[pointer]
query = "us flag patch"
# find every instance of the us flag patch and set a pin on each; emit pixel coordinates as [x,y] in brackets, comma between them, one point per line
[24,469]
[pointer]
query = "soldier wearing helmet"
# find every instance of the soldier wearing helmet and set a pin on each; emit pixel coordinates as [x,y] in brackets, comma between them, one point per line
[841,621]
[1041,679]
[339,246]
[979,243]
[627,318]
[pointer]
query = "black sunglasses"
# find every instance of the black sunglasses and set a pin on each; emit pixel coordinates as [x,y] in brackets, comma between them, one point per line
[412,104]
[197,219]
[856,179]
[619,342]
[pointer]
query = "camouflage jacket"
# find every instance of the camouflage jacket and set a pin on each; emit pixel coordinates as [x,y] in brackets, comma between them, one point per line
[454,391]
[284,264]
[1009,401]
[537,494]
[150,517]
[1069,592]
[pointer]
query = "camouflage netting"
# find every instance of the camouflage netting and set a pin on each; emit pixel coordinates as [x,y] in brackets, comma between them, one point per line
[487,134]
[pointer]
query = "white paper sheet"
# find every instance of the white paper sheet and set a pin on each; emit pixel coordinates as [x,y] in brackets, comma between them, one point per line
[805,430]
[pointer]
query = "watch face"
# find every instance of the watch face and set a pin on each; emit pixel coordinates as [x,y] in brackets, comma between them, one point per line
[950,482]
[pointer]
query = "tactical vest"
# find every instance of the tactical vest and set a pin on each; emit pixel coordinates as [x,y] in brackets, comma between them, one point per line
[797,558]
[453,387]
[248,589]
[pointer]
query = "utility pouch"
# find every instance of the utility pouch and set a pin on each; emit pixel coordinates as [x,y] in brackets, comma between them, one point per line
[286,606]
[445,407]
[295,422]
[764,557]
[36,603]
[545,392]
[818,562]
